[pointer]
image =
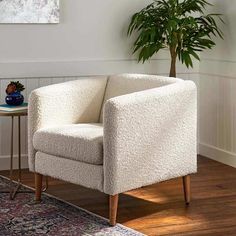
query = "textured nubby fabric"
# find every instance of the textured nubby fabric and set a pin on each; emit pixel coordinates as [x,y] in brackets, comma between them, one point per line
[128,83]
[71,102]
[81,142]
[87,175]
[148,135]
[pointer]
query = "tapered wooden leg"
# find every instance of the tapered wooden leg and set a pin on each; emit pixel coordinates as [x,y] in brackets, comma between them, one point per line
[113,204]
[187,190]
[38,186]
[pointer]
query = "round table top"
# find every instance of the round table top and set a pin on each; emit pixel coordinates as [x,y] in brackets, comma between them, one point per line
[14,113]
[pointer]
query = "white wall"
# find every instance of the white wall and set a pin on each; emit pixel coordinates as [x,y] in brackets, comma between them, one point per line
[218,92]
[90,40]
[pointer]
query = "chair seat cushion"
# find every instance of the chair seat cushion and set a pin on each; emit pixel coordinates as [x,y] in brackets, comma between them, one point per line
[81,142]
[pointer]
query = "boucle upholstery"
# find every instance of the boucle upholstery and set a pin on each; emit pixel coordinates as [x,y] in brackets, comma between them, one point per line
[79,142]
[76,172]
[128,83]
[149,136]
[149,130]
[80,101]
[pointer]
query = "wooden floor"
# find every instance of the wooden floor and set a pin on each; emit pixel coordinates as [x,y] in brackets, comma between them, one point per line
[159,209]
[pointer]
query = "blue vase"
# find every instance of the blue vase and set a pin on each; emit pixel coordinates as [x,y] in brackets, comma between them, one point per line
[14,99]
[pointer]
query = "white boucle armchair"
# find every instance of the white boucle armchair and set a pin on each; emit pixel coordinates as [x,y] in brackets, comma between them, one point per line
[114,133]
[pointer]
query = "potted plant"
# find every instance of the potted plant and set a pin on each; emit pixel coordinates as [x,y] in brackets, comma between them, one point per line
[14,96]
[179,26]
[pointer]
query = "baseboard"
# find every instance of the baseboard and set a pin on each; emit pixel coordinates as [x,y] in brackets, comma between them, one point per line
[5,162]
[217,154]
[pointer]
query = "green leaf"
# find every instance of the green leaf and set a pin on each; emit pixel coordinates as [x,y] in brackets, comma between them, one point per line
[180,25]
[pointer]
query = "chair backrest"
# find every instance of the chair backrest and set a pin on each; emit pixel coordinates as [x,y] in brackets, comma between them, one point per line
[118,85]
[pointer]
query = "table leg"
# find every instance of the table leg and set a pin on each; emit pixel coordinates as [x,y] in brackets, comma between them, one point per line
[19,149]
[19,160]
[11,157]
[46,184]
[14,190]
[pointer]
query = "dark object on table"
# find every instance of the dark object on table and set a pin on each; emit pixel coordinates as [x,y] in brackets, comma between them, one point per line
[14,96]
[14,99]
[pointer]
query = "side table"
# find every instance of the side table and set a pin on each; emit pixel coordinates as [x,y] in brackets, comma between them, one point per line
[13,191]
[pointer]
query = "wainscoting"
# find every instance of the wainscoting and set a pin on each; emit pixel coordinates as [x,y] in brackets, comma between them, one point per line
[218,111]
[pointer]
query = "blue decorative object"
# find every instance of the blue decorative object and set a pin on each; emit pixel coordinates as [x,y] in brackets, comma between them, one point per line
[14,99]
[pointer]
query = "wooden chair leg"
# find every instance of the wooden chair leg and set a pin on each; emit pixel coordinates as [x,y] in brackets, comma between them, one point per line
[38,186]
[187,190]
[113,205]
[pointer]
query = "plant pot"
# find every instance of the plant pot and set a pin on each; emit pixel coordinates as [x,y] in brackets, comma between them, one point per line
[14,99]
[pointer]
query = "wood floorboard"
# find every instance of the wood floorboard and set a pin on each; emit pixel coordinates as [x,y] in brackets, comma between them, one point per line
[159,209]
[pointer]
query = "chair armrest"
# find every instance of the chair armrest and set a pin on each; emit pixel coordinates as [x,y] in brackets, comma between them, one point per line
[71,102]
[150,136]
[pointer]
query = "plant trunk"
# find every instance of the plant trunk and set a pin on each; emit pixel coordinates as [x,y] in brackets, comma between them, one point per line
[173,62]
